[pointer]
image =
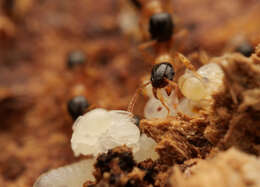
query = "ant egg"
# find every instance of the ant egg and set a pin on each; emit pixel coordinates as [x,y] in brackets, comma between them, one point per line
[147,149]
[155,109]
[195,89]
[214,74]
[191,87]
[186,107]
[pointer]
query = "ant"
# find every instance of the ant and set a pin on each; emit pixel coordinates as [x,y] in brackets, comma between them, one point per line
[161,28]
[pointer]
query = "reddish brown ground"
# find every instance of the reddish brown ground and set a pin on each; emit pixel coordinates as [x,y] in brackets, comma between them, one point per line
[35,83]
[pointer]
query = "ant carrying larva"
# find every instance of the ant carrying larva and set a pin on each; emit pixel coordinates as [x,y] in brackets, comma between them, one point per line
[161,28]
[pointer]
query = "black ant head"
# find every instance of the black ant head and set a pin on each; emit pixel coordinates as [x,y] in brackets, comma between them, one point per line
[161,26]
[77,106]
[160,72]
[245,48]
[75,58]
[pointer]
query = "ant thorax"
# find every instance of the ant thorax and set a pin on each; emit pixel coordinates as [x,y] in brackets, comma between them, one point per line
[165,57]
[152,7]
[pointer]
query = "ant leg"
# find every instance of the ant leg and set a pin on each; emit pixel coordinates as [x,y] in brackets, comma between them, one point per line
[155,93]
[203,56]
[91,107]
[135,96]
[142,28]
[181,34]
[161,99]
[186,62]
[176,89]
[168,90]
[177,38]
[145,54]
[172,84]
[145,45]
[189,65]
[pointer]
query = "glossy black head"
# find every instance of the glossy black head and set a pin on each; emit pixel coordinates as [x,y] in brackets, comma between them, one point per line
[161,26]
[76,58]
[77,106]
[245,48]
[160,72]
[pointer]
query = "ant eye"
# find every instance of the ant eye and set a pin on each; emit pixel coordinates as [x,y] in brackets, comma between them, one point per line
[75,58]
[161,26]
[160,72]
[77,106]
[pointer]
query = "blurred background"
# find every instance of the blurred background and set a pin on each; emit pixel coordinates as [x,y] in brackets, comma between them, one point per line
[54,50]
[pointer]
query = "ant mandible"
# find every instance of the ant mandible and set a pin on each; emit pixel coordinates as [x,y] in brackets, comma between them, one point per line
[161,28]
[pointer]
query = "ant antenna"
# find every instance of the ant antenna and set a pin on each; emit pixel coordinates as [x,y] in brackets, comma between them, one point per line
[134,98]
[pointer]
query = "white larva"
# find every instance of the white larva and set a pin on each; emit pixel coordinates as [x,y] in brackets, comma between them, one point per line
[195,89]
[73,175]
[100,130]
[96,132]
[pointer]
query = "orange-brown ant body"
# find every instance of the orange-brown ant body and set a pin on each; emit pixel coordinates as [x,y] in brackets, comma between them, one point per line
[161,28]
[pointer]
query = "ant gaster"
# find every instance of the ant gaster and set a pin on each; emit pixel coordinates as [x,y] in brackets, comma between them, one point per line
[161,27]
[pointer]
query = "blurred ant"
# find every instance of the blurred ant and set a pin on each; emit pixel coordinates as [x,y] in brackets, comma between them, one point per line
[161,29]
